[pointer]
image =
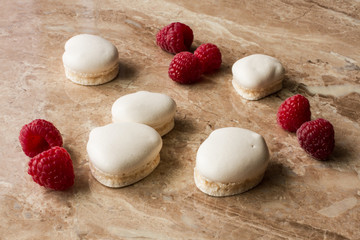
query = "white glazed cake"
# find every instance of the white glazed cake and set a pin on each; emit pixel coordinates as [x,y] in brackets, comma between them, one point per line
[230,161]
[90,60]
[123,153]
[156,110]
[257,76]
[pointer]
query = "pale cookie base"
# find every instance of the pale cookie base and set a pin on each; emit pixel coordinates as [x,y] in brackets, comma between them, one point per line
[218,189]
[125,179]
[92,78]
[165,128]
[256,94]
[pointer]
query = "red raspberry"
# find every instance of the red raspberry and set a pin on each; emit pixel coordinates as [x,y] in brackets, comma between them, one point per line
[38,136]
[175,38]
[293,112]
[317,138]
[52,169]
[185,68]
[209,56]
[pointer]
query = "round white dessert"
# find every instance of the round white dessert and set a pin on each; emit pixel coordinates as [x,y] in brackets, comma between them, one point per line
[230,161]
[257,76]
[90,59]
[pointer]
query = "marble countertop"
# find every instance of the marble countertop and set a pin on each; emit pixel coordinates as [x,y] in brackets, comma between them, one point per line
[318,43]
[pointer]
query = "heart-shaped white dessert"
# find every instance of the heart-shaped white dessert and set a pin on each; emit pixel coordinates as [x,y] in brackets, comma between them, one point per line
[123,153]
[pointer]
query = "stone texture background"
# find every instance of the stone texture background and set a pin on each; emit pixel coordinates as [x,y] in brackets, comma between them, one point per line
[300,198]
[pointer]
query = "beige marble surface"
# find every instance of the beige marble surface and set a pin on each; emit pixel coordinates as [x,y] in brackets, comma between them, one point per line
[318,42]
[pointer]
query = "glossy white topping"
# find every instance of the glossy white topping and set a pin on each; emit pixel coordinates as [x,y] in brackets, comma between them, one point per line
[123,147]
[153,109]
[88,53]
[257,71]
[232,155]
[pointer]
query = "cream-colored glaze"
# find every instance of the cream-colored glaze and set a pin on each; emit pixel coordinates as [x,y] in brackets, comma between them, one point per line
[314,40]
[153,109]
[334,90]
[257,71]
[119,148]
[232,155]
[87,53]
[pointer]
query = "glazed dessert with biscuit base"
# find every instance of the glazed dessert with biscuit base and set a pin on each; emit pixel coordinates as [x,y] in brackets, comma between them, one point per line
[121,154]
[90,60]
[230,161]
[257,76]
[156,110]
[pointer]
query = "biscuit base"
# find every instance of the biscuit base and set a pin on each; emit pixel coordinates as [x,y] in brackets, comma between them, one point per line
[92,78]
[165,128]
[125,179]
[218,189]
[256,93]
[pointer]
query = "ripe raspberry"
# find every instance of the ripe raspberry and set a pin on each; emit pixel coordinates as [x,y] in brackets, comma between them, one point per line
[52,169]
[175,37]
[317,138]
[293,112]
[185,68]
[209,56]
[38,136]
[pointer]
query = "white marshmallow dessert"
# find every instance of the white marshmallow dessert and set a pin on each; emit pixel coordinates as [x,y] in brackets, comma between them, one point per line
[90,60]
[230,161]
[257,76]
[156,110]
[121,154]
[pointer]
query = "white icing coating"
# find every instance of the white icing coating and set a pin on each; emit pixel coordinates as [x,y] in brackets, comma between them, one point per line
[232,155]
[86,53]
[257,71]
[123,147]
[153,109]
